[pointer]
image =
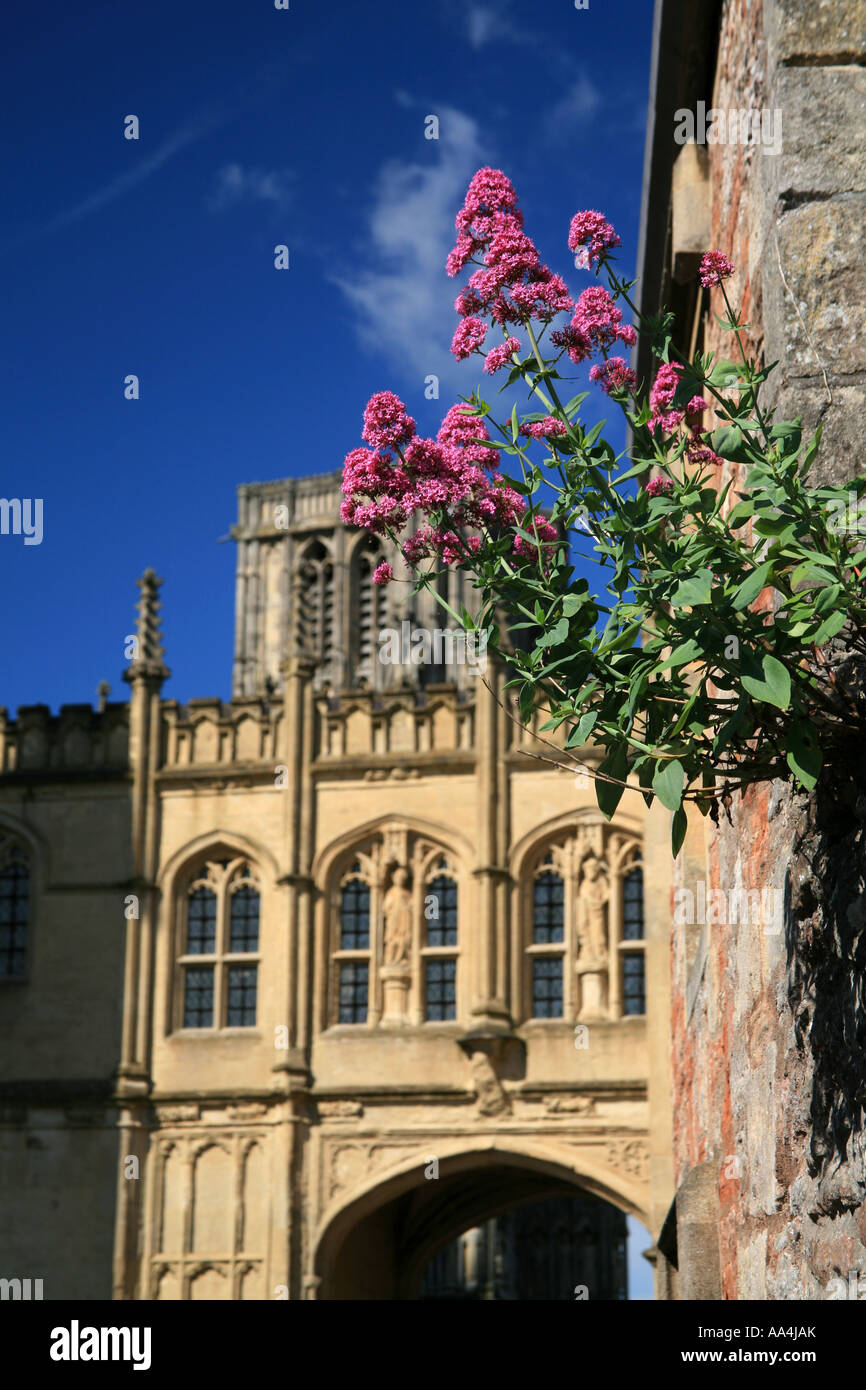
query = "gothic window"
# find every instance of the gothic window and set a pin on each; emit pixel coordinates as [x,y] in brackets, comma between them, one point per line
[583,929]
[353,957]
[368,602]
[632,944]
[14,909]
[436,671]
[218,960]
[439,960]
[315,606]
[547,948]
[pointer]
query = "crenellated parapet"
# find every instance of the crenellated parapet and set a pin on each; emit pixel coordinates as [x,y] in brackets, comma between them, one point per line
[366,724]
[78,740]
[209,733]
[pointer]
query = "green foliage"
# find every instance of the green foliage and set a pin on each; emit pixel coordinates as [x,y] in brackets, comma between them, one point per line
[697,668]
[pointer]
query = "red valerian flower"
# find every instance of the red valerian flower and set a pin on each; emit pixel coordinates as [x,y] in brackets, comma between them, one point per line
[547,428]
[383,574]
[596,324]
[659,487]
[468,337]
[498,356]
[590,237]
[662,393]
[715,267]
[614,375]
[386,423]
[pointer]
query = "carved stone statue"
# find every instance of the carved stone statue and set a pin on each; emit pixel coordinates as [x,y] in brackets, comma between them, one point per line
[397,909]
[492,1099]
[592,910]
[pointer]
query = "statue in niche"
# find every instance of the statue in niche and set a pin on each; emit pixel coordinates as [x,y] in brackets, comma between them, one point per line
[397,909]
[592,901]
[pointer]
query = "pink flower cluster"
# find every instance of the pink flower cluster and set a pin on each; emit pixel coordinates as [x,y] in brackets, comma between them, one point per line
[548,428]
[450,476]
[614,375]
[661,399]
[510,285]
[659,487]
[595,326]
[667,419]
[715,267]
[590,237]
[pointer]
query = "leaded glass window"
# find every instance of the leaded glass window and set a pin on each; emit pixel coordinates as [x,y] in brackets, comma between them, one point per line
[547,987]
[355,916]
[440,989]
[632,905]
[14,910]
[219,961]
[547,943]
[548,909]
[354,991]
[633,959]
[441,912]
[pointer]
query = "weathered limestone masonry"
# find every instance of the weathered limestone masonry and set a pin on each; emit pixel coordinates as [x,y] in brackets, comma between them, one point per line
[769,1027]
[238,1140]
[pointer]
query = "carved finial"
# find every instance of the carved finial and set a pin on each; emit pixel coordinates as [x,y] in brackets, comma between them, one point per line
[103,690]
[148,656]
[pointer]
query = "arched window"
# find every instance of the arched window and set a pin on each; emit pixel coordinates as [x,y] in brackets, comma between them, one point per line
[353,957]
[315,604]
[439,958]
[547,949]
[218,957]
[632,949]
[14,909]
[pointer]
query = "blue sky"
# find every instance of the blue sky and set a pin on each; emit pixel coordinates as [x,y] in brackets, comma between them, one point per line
[155,257]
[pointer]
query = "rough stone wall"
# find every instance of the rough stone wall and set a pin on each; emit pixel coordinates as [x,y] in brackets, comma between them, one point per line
[769,1025]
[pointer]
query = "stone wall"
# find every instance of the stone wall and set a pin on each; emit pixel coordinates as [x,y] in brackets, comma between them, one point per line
[768,1020]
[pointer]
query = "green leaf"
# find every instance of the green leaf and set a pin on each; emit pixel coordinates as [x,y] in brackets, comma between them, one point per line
[830,627]
[579,735]
[804,756]
[811,450]
[686,651]
[694,590]
[515,430]
[557,634]
[572,603]
[679,826]
[668,783]
[775,688]
[575,402]
[609,794]
[752,586]
[724,374]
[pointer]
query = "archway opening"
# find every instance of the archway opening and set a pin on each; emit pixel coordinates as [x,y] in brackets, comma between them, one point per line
[483,1226]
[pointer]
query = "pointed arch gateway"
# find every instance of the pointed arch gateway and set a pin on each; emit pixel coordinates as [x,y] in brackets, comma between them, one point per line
[375,1241]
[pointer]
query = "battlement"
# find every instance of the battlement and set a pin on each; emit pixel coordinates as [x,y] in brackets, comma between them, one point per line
[78,739]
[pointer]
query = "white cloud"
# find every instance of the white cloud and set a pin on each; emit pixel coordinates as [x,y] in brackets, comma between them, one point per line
[488,24]
[186,135]
[575,107]
[401,297]
[235,184]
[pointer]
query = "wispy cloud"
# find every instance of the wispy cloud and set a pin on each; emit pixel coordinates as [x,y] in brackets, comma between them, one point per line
[235,184]
[574,107]
[181,139]
[487,24]
[400,296]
